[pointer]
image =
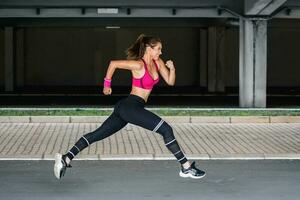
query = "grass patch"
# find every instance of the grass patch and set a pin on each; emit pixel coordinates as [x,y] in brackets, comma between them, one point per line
[54,113]
[228,113]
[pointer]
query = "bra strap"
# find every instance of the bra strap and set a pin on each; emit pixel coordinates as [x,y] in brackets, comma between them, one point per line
[145,64]
[155,64]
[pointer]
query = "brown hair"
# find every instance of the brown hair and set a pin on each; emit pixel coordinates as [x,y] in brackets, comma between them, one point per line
[137,49]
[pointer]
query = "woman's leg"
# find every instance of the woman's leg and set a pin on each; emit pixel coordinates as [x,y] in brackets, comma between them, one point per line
[110,126]
[146,119]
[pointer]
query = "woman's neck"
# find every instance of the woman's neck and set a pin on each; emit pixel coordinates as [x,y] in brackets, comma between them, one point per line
[147,59]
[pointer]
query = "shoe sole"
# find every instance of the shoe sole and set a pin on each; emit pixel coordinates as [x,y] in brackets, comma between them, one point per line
[190,175]
[58,165]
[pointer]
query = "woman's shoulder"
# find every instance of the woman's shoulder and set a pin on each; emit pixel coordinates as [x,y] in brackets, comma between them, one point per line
[138,63]
[128,64]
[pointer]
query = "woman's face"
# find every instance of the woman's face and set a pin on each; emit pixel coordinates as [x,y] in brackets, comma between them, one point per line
[155,51]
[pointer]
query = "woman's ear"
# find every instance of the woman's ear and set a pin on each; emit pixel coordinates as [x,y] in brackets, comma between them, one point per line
[148,48]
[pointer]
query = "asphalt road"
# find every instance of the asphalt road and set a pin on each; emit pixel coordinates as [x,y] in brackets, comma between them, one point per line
[264,179]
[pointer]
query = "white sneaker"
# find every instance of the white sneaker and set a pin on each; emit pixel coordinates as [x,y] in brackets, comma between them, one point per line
[60,165]
[192,172]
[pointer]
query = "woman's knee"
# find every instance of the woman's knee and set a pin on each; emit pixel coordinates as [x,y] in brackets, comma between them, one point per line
[92,137]
[166,131]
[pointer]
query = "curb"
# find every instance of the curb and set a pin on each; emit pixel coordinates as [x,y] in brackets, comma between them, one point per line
[291,156]
[170,119]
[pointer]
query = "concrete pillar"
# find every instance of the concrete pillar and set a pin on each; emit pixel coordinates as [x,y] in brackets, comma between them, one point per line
[260,90]
[220,76]
[253,63]
[216,59]
[212,59]
[8,59]
[19,58]
[203,58]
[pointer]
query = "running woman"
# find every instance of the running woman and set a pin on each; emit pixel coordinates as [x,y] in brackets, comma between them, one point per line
[145,64]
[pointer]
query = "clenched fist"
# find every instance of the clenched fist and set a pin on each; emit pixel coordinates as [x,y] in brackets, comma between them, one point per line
[107,90]
[170,64]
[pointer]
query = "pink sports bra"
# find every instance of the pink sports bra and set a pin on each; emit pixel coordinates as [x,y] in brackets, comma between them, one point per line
[146,81]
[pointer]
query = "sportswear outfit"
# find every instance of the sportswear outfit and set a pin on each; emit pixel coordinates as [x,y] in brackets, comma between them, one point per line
[130,110]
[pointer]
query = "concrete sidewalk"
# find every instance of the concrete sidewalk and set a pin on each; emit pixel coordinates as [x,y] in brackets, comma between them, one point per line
[198,140]
[171,119]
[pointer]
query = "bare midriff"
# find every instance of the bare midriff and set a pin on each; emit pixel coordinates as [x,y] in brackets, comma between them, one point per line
[144,93]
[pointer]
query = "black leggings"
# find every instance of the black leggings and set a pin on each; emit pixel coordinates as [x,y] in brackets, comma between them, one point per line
[130,110]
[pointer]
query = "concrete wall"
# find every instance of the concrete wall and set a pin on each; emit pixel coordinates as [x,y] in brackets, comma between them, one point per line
[1,58]
[63,56]
[283,57]
[80,56]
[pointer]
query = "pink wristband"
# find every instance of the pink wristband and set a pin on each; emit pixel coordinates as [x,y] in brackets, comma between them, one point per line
[107,82]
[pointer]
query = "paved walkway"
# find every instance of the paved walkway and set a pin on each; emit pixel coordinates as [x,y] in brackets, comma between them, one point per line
[198,140]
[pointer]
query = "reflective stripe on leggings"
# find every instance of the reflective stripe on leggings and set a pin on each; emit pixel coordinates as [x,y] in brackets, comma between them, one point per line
[158,125]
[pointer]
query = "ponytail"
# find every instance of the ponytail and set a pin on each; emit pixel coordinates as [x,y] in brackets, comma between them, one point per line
[138,48]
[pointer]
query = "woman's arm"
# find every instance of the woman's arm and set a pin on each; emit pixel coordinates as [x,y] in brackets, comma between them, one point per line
[122,64]
[168,74]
